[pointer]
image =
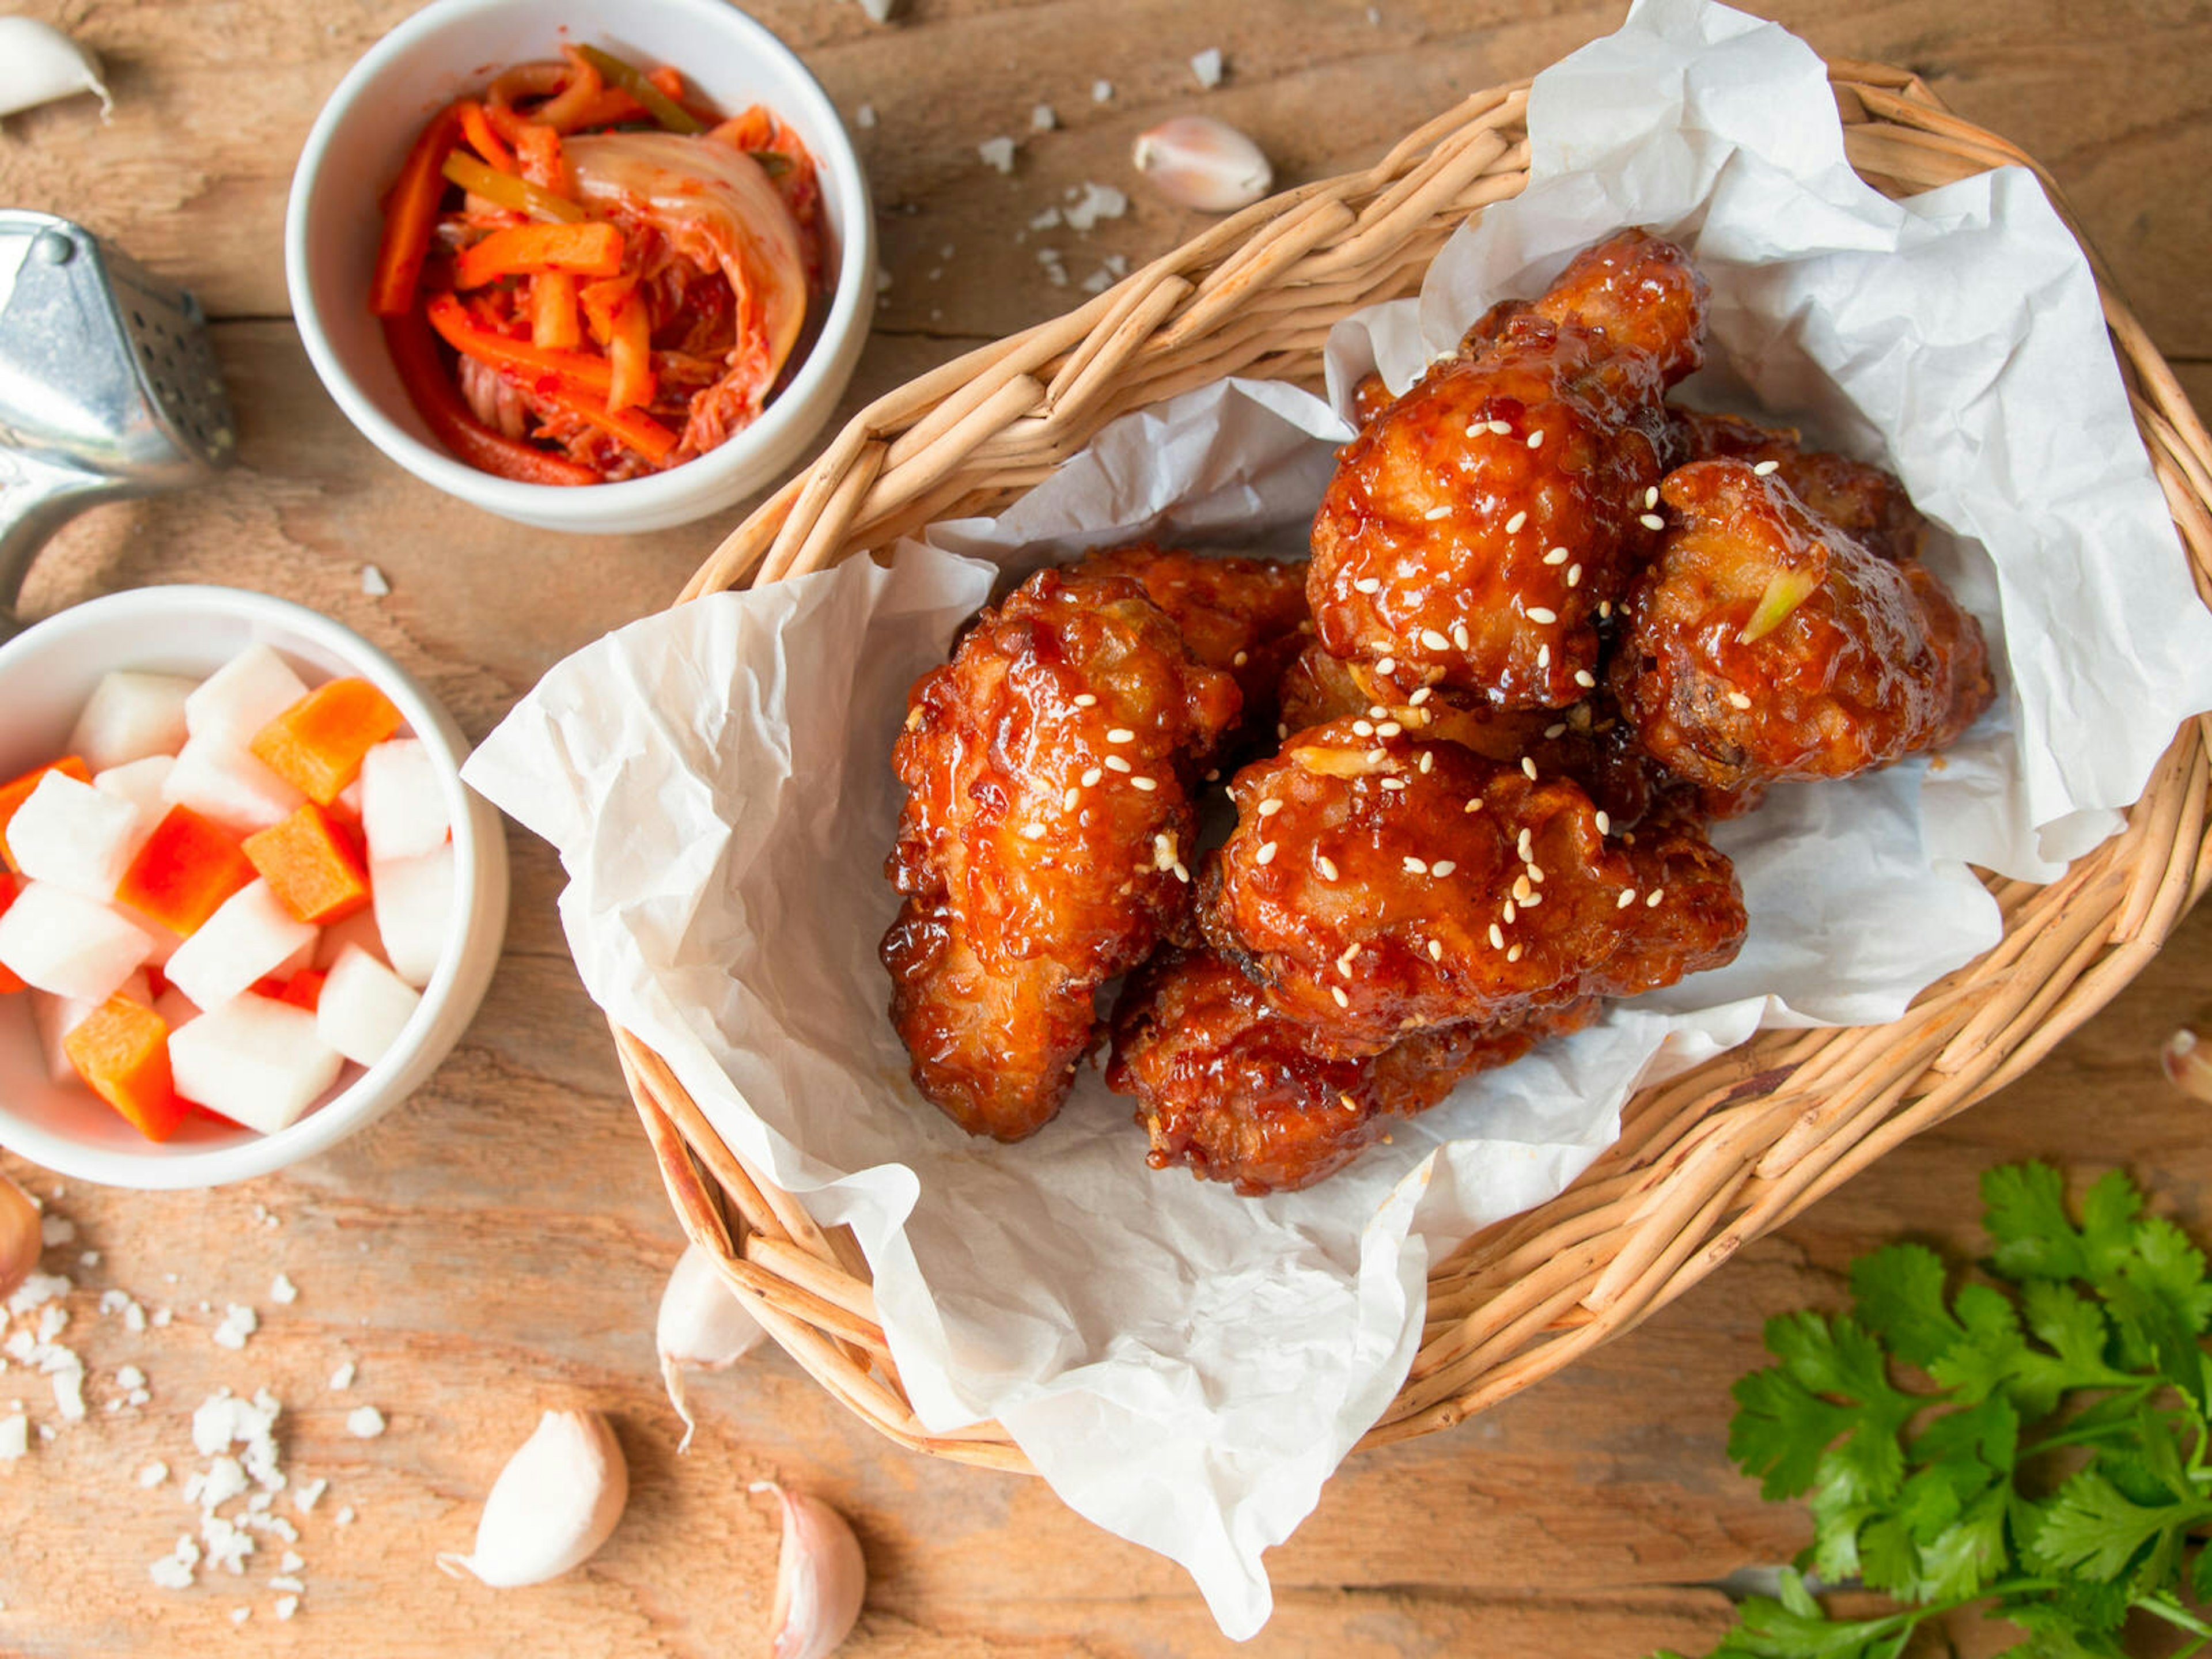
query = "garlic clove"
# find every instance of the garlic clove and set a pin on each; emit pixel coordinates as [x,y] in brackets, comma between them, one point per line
[2186,1059]
[1197,162]
[820,1577]
[554,1504]
[701,1323]
[20,1239]
[38,64]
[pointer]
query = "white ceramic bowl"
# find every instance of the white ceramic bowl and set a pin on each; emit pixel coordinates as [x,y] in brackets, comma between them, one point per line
[332,225]
[46,674]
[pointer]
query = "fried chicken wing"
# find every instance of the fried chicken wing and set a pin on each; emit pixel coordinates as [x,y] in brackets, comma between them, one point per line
[1642,292]
[1042,846]
[1245,617]
[1765,644]
[1377,883]
[1866,502]
[1236,1092]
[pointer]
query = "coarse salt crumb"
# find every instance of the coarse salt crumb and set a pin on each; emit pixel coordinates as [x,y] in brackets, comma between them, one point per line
[1207,67]
[238,1322]
[1043,118]
[287,1606]
[130,1376]
[56,1230]
[239,1615]
[1101,91]
[291,1562]
[89,1259]
[374,583]
[1097,201]
[307,1494]
[286,1582]
[344,1517]
[364,1422]
[161,1318]
[283,1290]
[997,153]
[865,117]
[342,1377]
[14,1437]
[154,1473]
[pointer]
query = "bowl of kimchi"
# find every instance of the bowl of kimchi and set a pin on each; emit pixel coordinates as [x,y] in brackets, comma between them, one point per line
[593,266]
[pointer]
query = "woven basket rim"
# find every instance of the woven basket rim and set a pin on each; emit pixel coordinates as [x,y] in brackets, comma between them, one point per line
[1704,1163]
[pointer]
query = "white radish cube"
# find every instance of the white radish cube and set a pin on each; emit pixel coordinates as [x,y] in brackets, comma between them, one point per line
[364,1007]
[76,836]
[358,930]
[131,716]
[71,945]
[256,1060]
[349,801]
[403,800]
[244,941]
[165,943]
[243,695]
[223,782]
[414,900]
[176,1009]
[56,1016]
[301,959]
[139,783]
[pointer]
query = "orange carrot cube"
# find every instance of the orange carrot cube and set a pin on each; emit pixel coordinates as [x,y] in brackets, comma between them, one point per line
[312,865]
[9,886]
[122,1052]
[188,867]
[15,793]
[304,989]
[316,744]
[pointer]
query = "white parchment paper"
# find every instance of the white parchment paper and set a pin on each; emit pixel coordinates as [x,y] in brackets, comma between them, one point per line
[1185,1367]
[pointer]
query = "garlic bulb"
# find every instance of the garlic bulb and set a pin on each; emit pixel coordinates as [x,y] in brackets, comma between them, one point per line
[820,1577]
[2186,1059]
[20,1240]
[1197,162]
[701,1323]
[554,1504]
[40,64]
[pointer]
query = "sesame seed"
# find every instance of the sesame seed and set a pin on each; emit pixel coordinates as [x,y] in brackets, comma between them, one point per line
[1585,680]
[1365,728]
[1536,438]
[1510,912]
[1116,764]
[1435,641]
[1543,656]
[1389,729]
[1496,937]
[1183,873]
[1513,955]
[1513,524]
[1604,823]
[1436,950]
[1145,784]
[1604,609]
[1766,469]
[1530,767]
[1526,846]
[1574,575]
[1377,711]
[1627,898]
[1269,807]
[1393,783]
[1067,800]
[1551,732]
[1475,806]
[1652,904]
[1085,700]
[1521,890]
[1120,734]
[1426,761]
[1532,900]
[1502,428]
[1342,1000]
[1349,1104]
[1557,556]
[1240,659]
[1542,614]
[1536,873]
[1443,867]
[1652,521]
[1651,496]
[1737,700]
[1460,635]
[1326,865]
[1368,585]
[1436,512]
[1266,854]
[1033,831]
[1377,757]
[1420,696]
[1091,778]
[1416,866]
[1281,730]
[1388,665]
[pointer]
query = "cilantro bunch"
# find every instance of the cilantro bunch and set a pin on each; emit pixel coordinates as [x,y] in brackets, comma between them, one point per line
[2038,1440]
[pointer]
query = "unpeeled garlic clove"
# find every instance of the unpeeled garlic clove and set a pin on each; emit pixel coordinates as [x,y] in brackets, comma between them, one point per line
[20,1240]
[2186,1059]
[701,1323]
[1197,162]
[820,1577]
[38,64]
[554,1504]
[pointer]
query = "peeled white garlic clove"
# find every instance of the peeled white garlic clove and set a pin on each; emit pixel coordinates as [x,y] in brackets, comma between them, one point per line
[20,1240]
[701,1323]
[40,64]
[820,1577]
[1197,162]
[554,1504]
[2186,1059]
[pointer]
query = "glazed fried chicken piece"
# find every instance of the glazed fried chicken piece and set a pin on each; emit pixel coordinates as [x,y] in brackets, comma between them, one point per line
[1245,617]
[1042,846]
[1377,883]
[1236,1092]
[1866,502]
[1765,644]
[1474,528]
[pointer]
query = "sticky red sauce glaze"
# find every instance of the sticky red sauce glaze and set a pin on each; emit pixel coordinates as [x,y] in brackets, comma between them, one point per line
[1867,503]
[1234,1091]
[1048,768]
[1876,660]
[1372,915]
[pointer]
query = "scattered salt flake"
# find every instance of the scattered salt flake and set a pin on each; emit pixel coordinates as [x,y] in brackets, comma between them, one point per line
[1043,118]
[47,1432]
[130,1376]
[113,1301]
[286,1582]
[342,1377]
[364,1422]
[238,1322]
[1047,220]
[175,1571]
[1375,17]
[134,1318]
[69,1388]
[140,1396]
[1207,67]
[291,1561]
[998,153]
[345,1514]
[56,1230]
[879,11]
[374,583]
[239,1615]
[1097,201]
[154,1473]
[865,117]
[287,1606]
[161,1318]
[307,1494]
[89,1259]
[283,1290]
[36,1289]
[1101,91]
[14,1437]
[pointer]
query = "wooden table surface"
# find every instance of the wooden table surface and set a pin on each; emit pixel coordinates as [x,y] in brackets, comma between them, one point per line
[497,1246]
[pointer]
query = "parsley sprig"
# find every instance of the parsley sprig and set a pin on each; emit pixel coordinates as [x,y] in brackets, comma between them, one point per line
[2037,1439]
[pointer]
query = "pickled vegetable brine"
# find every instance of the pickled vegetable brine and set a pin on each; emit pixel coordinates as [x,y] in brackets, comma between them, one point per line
[586,276]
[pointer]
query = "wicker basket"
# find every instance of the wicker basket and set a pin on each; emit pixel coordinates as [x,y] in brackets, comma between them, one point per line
[1723,1155]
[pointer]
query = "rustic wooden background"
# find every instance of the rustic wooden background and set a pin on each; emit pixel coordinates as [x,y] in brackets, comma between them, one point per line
[498,1245]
